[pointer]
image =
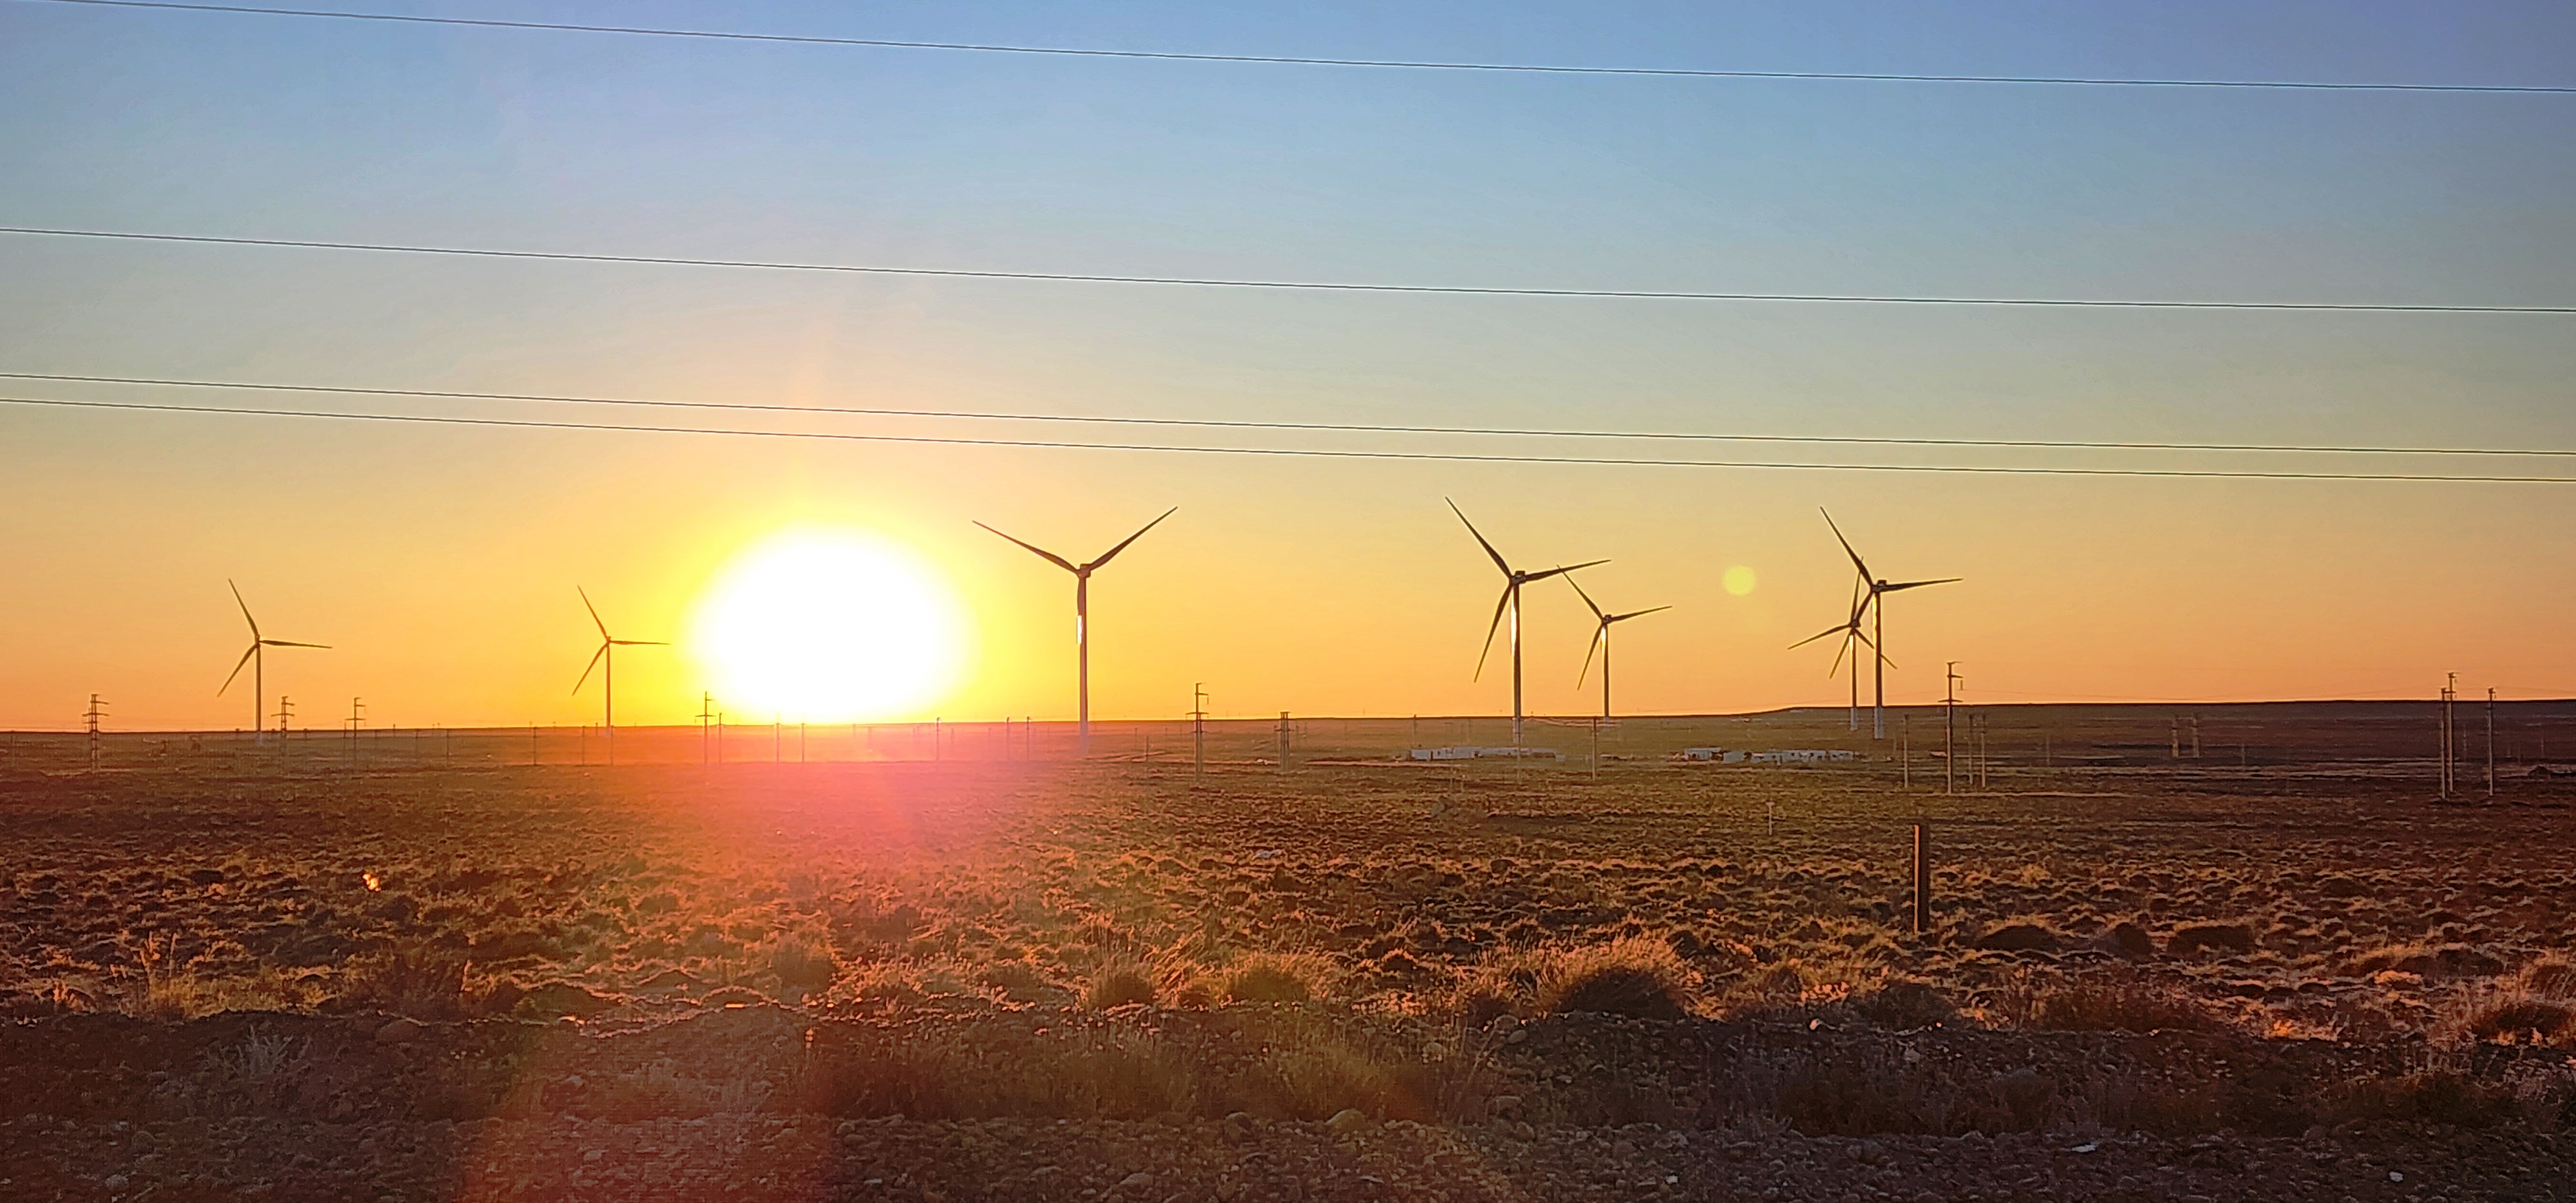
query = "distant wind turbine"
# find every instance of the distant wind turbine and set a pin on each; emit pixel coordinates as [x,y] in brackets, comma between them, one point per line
[1513,579]
[1601,642]
[1876,604]
[1082,615]
[258,663]
[1849,629]
[606,656]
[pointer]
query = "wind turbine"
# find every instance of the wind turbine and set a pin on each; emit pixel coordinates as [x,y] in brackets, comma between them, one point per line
[607,654]
[258,663]
[1601,642]
[1082,615]
[1513,579]
[1876,604]
[1849,629]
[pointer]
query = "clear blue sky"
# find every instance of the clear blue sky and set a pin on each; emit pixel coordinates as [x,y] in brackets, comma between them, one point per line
[261,126]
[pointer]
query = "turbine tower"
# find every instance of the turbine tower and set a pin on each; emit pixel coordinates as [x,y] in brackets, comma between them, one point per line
[1601,642]
[1876,605]
[258,662]
[1513,579]
[606,656]
[1082,616]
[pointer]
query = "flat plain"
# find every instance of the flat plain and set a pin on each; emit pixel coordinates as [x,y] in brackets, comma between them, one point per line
[2279,970]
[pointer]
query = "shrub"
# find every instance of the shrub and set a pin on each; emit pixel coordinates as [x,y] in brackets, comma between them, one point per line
[424,983]
[2425,961]
[800,964]
[1118,984]
[2118,1003]
[1272,977]
[2224,937]
[1636,976]
[2513,1015]
[1904,1004]
[2439,1096]
[2550,977]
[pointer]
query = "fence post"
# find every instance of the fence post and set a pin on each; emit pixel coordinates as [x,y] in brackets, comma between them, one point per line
[1922,878]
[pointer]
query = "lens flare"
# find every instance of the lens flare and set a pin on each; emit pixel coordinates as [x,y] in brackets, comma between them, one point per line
[829,625]
[1739,580]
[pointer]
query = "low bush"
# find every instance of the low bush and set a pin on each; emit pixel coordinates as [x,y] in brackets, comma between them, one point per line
[1637,976]
[1119,983]
[1272,977]
[2118,1002]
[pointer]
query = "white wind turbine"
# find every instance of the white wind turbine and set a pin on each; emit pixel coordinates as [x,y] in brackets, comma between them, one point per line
[1082,616]
[606,656]
[257,661]
[1601,641]
[1513,579]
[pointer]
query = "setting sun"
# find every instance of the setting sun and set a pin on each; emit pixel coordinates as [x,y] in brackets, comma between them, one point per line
[828,625]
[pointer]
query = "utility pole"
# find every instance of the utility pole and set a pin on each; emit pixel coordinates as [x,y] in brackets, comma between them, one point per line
[706,715]
[356,710]
[2490,742]
[1283,741]
[285,710]
[1198,729]
[532,743]
[1950,732]
[94,713]
[2450,689]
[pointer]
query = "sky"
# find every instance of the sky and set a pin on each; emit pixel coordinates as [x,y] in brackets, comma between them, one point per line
[441,562]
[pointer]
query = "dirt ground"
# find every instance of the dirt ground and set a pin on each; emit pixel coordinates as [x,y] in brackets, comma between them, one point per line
[1028,979]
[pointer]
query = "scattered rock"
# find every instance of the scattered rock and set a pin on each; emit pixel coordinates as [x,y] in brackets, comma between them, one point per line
[1347,1121]
[400,1030]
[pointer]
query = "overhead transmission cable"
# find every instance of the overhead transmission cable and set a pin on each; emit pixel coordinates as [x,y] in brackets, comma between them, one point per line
[1313,427]
[1301,452]
[1317,61]
[1639,294]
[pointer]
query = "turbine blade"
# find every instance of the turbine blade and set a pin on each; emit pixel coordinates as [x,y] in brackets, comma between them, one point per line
[237,667]
[1634,614]
[594,611]
[245,609]
[1835,629]
[1048,556]
[1587,601]
[1839,649]
[1500,604]
[1480,538]
[1106,556]
[585,672]
[292,643]
[1600,634]
[1847,547]
[1948,580]
[640,642]
[1560,570]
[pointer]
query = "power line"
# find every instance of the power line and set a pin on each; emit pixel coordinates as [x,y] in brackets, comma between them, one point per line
[1291,285]
[1301,61]
[1303,452]
[1319,427]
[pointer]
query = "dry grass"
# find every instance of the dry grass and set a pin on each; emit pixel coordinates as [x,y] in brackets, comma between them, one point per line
[2118,1002]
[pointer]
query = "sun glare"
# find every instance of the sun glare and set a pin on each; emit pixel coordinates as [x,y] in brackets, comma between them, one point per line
[829,625]
[1739,580]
